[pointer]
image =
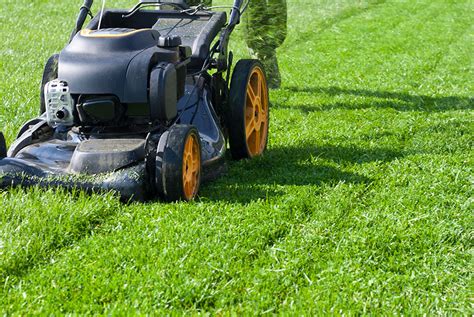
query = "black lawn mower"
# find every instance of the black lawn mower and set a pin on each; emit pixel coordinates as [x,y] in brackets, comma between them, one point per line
[140,101]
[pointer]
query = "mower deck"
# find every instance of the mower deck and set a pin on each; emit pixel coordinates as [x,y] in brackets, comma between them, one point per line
[68,159]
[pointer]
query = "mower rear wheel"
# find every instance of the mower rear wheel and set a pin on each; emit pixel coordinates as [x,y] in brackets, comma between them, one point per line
[3,146]
[50,73]
[248,116]
[180,172]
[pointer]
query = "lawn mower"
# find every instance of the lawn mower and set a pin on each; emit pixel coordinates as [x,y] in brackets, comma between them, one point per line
[141,101]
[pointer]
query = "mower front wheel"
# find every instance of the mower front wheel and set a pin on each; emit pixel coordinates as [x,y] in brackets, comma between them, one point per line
[3,146]
[248,113]
[178,175]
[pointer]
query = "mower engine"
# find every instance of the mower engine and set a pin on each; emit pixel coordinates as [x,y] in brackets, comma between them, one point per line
[59,104]
[118,77]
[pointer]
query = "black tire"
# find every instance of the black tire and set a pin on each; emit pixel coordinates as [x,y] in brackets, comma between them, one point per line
[3,146]
[248,113]
[178,174]
[50,73]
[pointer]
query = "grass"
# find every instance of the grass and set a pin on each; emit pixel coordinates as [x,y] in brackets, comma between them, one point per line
[361,205]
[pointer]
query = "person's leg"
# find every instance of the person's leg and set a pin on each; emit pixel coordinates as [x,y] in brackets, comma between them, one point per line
[266,30]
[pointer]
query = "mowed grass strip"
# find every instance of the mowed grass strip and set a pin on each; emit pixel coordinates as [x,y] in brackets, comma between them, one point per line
[362,203]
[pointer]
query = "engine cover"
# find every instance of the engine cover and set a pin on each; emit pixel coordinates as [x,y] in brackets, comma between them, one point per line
[113,62]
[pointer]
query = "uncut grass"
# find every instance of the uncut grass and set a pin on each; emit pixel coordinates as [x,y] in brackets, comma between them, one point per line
[361,204]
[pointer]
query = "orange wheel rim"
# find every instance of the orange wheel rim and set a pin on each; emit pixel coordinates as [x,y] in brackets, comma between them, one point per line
[191,167]
[256,112]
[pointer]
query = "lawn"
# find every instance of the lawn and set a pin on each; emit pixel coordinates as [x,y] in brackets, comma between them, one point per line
[362,204]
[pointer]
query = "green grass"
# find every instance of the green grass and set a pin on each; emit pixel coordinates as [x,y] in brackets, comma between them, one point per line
[361,205]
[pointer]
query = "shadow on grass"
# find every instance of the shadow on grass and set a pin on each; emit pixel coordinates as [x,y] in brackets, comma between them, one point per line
[379,99]
[262,178]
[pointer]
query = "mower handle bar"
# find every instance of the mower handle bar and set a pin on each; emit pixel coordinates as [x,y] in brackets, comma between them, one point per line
[224,39]
[86,10]
[235,13]
[83,12]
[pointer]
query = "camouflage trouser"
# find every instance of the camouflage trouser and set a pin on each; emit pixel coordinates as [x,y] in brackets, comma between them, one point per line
[265,25]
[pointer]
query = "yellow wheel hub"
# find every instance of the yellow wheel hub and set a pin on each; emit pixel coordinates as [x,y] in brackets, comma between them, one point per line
[256,112]
[191,167]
